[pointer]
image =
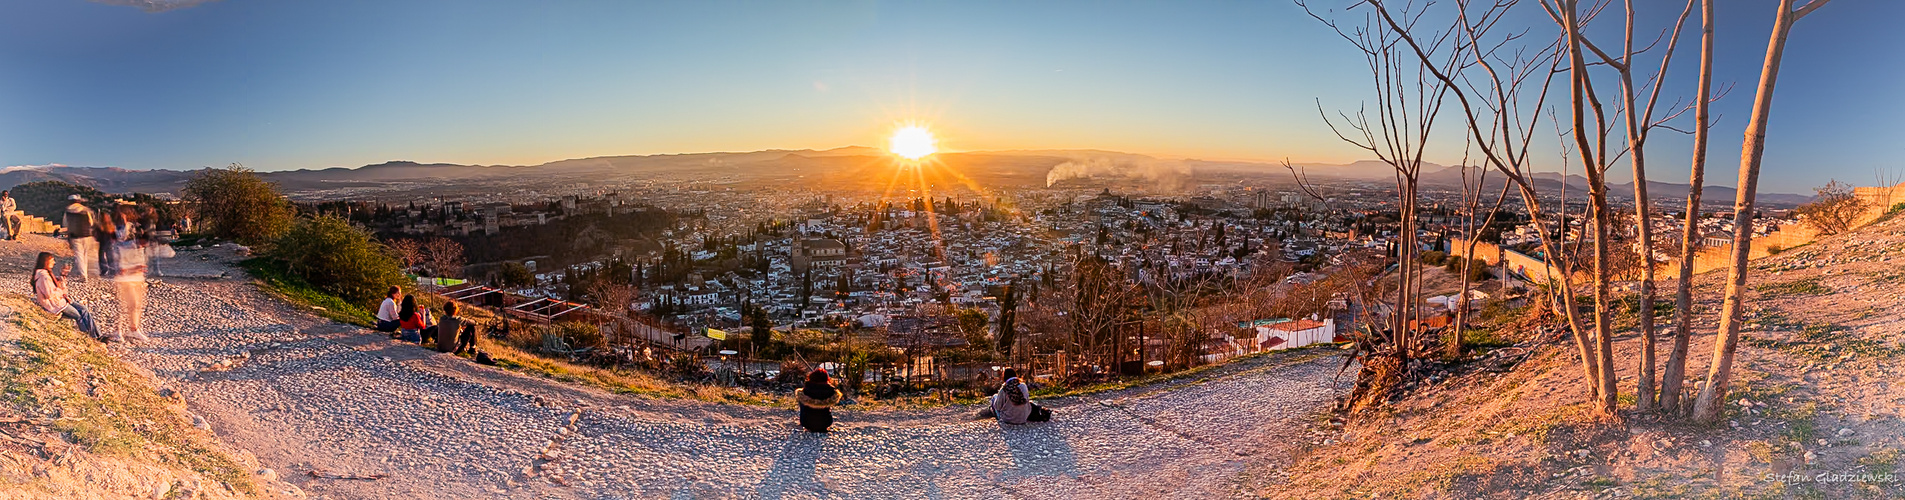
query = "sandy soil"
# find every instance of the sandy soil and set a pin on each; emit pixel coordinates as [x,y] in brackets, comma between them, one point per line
[1815,411]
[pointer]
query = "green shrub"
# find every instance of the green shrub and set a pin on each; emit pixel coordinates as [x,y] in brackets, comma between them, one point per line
[1453,264]
[579,334]
[515,275]
[1434,258]
[338,258]
[292,288]
[1485,338]
[235,203]
[1808,286]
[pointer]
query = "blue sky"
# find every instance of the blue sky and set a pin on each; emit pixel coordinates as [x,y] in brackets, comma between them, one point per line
[287,84]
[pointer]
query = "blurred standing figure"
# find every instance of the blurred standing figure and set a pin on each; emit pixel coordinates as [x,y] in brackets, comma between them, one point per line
[79,235]
[10,211]
[49,291]
[129,281]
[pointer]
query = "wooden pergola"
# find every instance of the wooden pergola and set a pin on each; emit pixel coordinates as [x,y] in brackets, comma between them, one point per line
[467,292]
[546,310]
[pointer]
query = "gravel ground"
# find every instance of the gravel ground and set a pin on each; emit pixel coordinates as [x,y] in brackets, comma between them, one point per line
[306,395]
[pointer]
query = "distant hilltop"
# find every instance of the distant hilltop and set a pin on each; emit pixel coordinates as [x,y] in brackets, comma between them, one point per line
[998,169]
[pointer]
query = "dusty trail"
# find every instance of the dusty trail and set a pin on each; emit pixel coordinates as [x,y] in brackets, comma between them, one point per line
[305,395]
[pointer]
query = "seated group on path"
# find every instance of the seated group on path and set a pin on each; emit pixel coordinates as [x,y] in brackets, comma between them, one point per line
[400,316]
[1011,405]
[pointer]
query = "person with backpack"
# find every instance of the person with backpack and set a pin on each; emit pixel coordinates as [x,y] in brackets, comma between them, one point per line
[79,235]
[1013,403]
[816,400]
[49,292]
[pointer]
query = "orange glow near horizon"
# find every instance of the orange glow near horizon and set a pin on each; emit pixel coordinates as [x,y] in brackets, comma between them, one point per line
[913,142]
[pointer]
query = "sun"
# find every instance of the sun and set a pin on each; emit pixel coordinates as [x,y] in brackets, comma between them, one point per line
[913,142]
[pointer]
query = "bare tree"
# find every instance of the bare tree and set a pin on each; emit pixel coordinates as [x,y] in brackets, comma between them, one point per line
[409,251]
[1835,210]
[1676,370]
[1707,407]
[1471,235]
[1640,124]
[1595,159]
[1493,105]
[443,257]
[1409,100]
[616,299]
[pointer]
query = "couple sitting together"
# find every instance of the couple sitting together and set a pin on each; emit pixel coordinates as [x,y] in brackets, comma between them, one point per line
[1012,405]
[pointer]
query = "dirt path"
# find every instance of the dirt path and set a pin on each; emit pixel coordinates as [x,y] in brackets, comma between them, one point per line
[307,395]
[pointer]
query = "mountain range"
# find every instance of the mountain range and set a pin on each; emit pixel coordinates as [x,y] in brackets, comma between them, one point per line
[852,164]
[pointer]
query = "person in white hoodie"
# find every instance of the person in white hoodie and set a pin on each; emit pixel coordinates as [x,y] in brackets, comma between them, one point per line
[1013,403]
[387,312]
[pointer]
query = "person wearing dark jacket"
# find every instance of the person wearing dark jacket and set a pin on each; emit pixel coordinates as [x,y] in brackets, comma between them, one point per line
[448,327]
[816,401]
[79,235]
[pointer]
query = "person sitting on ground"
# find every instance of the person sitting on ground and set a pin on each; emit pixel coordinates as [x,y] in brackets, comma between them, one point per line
[49,291]
[412,320]
[466,339]
[448,328]
[10,214]
[387,312]
[1013,403]
[816,400]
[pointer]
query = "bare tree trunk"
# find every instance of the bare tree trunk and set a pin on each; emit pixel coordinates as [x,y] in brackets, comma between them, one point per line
[1471,236]
[1637,149]
[1605,398]
[1639,125]
[1708,407]
[1676,371]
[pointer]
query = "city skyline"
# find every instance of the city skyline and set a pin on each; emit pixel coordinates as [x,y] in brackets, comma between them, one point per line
[291,85]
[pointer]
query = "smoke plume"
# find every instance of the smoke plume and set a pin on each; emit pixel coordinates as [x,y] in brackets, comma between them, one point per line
[1163,175]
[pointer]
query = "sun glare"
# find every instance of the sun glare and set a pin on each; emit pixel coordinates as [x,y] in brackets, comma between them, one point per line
[913,142]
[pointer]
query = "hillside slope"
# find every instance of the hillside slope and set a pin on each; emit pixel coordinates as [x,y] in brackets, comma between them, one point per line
[1815,411]
[76,422]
